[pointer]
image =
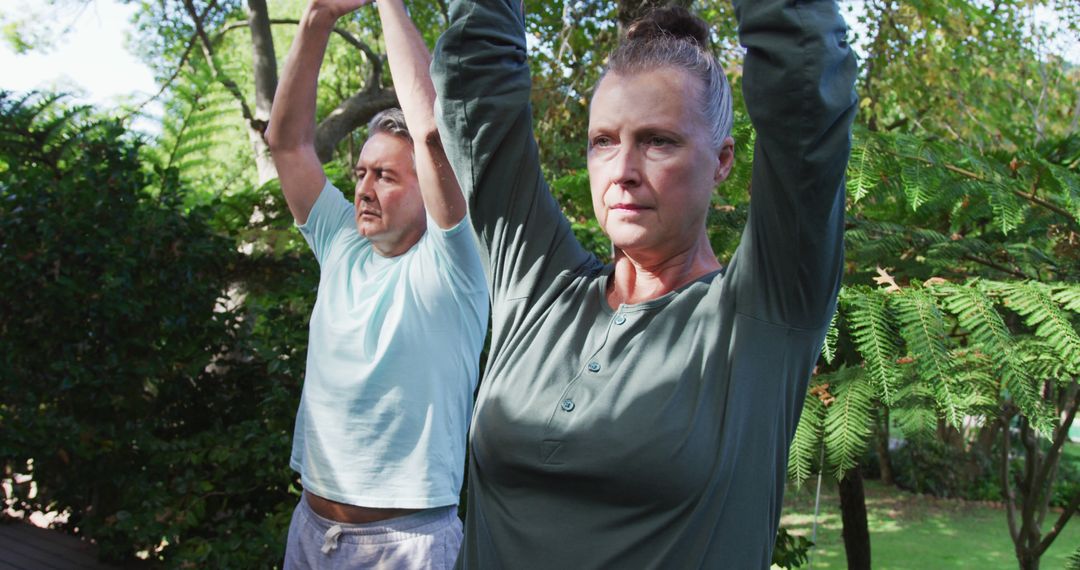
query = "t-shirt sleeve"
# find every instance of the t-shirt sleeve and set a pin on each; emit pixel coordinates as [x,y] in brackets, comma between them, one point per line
[330,215]
[456,257]
[798,83]
[481,75]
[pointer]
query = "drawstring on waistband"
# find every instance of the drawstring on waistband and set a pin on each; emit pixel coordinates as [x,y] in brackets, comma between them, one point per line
[331,538]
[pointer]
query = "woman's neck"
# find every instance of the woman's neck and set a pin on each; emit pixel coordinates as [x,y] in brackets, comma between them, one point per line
[640,277]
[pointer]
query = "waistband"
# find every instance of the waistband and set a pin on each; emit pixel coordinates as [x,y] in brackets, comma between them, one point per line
[423,522]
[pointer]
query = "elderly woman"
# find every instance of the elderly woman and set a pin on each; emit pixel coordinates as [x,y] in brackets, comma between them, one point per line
[638,414]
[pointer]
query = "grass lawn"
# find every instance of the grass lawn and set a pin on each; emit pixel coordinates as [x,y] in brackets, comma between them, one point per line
[919,532]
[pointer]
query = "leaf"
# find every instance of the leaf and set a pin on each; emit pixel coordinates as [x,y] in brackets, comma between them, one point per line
[848,421]
[1035,302]
[806,444]
[875,336]
[924,330]
[861,175]
[884,278]
[832,335]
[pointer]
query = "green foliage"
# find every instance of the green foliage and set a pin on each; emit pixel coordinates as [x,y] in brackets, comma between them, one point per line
[1074,560]
[137,395]
[848,419]
[790,551]
[929,466]
[875,335]
[807,444]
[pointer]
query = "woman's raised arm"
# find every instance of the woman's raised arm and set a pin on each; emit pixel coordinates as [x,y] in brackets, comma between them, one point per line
[481,76]
[798,83]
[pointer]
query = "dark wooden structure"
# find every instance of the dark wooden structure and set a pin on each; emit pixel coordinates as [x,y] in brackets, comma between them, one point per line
[27,547]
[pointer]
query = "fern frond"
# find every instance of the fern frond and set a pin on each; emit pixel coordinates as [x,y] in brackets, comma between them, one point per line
[1009,210]
[868,315]
[1069,182]
[806,444]
[914,179]
[848,420]
[828,347]
[916,422]
[1035,303]
[861,174]
[1043,362]
[1068,296]
[976,312]
[923,327]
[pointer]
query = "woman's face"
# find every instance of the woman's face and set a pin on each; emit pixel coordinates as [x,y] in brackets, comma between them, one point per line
[652,167]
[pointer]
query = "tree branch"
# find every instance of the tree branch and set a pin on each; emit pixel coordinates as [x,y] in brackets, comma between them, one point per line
[176,72]
[230,85]
[351,113]
[992,265]
[1070,509]
[375,79]
[1020,193]
[167,83]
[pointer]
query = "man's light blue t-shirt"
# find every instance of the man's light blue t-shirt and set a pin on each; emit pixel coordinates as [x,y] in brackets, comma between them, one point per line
[392,364]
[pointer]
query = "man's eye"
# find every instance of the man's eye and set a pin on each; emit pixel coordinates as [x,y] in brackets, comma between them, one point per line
[601,141]
[658,141]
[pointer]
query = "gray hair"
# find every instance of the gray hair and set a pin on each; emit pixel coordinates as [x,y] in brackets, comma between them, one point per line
[389,121]
[673,37]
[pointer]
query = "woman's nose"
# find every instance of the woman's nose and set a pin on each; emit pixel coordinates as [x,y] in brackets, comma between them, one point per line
[626,167]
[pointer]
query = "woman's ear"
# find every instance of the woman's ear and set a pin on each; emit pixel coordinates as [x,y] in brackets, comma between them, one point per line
[726,160]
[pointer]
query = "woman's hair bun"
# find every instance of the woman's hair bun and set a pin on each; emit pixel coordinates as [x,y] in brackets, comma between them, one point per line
[672,22]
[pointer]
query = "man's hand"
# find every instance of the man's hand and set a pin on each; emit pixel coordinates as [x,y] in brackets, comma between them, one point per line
[338,8]
[292,119]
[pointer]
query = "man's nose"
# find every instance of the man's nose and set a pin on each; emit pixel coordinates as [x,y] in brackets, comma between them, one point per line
[365,191]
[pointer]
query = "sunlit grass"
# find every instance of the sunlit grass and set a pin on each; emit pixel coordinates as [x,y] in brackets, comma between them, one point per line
[919,532]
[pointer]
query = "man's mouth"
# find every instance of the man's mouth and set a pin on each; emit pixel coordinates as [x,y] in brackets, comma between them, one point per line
[372,213]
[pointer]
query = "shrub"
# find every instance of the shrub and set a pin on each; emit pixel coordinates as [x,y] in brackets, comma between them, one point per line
[154,412]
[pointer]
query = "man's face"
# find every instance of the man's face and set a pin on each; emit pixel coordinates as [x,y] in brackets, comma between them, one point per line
[389,208]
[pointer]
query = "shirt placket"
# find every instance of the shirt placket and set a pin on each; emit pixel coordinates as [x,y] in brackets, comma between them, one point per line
[596,366]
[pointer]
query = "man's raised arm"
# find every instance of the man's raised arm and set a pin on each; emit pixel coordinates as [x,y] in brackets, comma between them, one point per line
[291,135]
[409,65]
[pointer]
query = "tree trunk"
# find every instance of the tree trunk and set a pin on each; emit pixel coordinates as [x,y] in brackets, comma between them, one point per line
[1029,563]
[264,61]
[263,57]
[853,514]
[1027,498]
[881,445]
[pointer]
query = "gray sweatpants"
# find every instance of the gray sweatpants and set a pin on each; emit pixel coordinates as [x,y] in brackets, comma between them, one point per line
[429,539]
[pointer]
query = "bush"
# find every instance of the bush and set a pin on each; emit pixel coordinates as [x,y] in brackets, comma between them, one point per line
[943,470]
[136,398]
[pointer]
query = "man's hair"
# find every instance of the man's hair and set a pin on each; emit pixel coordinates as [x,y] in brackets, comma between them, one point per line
[390,121]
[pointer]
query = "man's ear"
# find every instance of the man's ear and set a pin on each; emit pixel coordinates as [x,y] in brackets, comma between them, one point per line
[726,156]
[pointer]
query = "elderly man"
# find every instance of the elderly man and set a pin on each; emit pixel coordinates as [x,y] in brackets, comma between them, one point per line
[398,325]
